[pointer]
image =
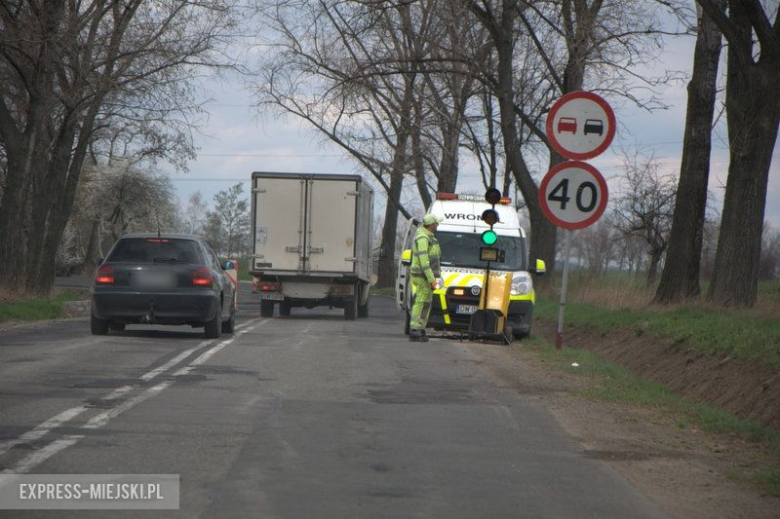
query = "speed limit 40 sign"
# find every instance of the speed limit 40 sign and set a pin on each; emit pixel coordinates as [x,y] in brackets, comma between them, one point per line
[573,195]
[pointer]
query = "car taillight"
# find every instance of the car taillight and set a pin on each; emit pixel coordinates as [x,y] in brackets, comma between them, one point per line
[104,275]
[202,278]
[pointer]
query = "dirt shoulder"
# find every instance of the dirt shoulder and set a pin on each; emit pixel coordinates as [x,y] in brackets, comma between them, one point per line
[690,473]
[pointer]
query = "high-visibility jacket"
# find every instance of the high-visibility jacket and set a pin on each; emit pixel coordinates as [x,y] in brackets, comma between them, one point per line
[426,255]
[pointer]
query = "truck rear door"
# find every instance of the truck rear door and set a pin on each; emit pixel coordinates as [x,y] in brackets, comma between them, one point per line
[279,215]
[330,237]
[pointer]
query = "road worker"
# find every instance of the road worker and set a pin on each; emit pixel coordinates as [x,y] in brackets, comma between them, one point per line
[425,271]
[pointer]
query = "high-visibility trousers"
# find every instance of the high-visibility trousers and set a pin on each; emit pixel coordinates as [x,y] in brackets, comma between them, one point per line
[422,303]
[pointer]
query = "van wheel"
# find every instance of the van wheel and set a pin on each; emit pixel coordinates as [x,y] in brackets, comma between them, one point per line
[266,308]
[285,307]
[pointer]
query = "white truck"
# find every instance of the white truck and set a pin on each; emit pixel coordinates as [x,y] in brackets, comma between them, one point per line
[462,272]
[312,238]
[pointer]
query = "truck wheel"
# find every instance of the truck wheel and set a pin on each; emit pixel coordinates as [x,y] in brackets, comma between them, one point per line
[363,310]
[285,307]
[266,308]
[350,309]
[407,323]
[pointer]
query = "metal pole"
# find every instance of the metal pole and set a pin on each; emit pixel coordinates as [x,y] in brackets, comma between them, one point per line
[564,283]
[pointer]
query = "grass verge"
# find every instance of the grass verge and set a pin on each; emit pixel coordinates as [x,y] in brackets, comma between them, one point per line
[37,309]
[736,333]
[386,291]
[612,383]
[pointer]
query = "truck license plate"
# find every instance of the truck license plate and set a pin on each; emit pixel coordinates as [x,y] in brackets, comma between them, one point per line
[465,309]
[273,296]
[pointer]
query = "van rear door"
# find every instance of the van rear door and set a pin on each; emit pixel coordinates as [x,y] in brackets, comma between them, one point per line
[403,288]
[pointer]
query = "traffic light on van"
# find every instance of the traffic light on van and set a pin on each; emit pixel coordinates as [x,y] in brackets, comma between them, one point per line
[489,237]
[490,217]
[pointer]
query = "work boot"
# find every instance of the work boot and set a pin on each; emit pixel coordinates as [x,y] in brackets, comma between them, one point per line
[417,335]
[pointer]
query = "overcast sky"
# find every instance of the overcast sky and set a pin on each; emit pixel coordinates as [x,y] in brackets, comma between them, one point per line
[239,143]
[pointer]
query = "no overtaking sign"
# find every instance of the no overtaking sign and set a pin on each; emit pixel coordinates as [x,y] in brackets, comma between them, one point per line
[580,125]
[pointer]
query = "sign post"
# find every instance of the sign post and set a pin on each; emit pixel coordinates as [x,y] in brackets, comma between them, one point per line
[574,194]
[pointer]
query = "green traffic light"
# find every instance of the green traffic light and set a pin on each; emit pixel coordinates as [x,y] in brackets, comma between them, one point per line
[489,237]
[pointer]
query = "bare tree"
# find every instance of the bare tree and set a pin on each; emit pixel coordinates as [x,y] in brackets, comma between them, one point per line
[680,276]
[546,49]
[75,73]
[753,113]
[595,247]
[195,214]
[769,266]
[356,72]
[227,226]
[126,198]
[644,207]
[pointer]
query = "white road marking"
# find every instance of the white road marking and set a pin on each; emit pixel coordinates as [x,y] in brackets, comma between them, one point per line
[41,430]
[101,419]
[146,377]
[43,454]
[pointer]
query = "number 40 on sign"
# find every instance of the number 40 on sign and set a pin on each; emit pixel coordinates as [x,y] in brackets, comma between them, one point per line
[573,195]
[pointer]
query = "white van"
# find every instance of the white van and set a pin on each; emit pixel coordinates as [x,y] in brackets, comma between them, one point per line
[460,238]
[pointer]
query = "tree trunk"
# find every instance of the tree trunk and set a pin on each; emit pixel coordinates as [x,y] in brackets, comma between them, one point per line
[387,263]
[680,276]
[92,253]
[448,169]
[13,227]
[753,118]
[542,231]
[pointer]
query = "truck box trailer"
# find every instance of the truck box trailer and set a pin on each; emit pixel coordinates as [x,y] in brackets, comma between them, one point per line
[312,241]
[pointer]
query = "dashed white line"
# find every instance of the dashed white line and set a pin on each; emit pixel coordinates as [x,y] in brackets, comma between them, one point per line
[41,430]
[101,419]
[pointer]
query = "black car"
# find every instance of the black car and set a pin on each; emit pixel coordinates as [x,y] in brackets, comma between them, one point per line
[163,279]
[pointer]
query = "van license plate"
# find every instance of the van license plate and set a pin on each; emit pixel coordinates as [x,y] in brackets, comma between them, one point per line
[273,296]
[465,309]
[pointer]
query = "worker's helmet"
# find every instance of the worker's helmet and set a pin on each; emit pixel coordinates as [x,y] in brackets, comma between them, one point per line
[430,219]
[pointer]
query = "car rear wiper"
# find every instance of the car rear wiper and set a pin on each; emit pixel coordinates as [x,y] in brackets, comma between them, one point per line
[168,260]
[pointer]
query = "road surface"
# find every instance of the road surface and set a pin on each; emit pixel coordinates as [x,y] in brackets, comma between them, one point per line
[305,416]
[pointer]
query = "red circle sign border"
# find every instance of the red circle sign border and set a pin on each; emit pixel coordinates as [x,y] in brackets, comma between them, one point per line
[549,125]
[602,203]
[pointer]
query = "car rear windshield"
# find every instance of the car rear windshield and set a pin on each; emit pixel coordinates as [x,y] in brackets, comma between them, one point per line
[155,250]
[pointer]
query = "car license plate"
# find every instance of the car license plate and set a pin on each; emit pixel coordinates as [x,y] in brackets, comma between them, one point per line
[150,280]
[465,309]
[273,296]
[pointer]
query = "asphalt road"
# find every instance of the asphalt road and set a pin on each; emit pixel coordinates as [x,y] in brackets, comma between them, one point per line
[305,416]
